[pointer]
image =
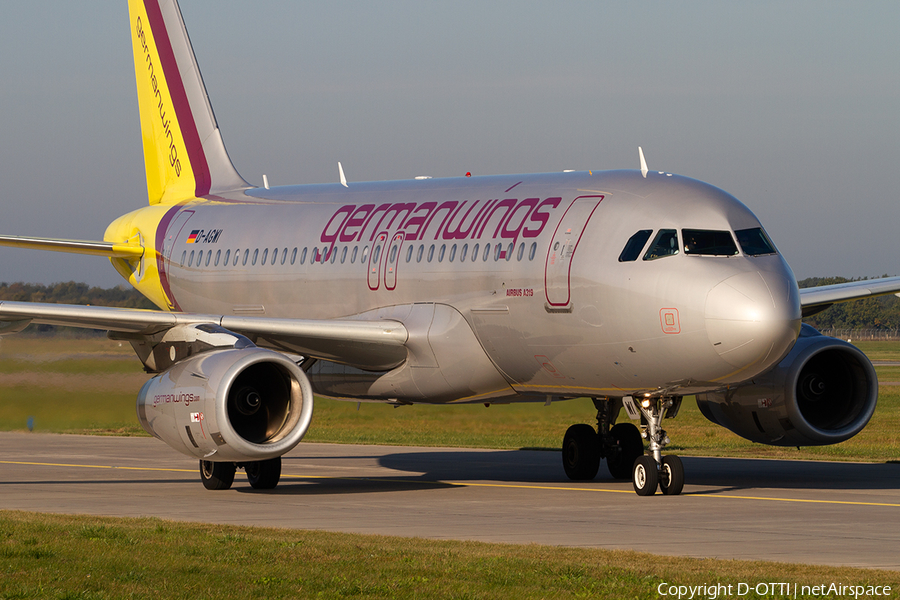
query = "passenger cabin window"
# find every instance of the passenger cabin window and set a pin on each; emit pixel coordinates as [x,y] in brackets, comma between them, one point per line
[708,242]
[635,245]
[665,244]
[755,242]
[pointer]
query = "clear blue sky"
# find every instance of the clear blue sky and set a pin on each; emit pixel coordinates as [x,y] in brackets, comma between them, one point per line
[794,107]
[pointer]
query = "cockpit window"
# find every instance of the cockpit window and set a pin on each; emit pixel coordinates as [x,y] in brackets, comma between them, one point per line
[755,242]
[708,242]
[665,244]
[634,245]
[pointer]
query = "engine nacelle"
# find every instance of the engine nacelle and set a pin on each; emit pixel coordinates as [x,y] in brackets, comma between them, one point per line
[238,405]
[823,392]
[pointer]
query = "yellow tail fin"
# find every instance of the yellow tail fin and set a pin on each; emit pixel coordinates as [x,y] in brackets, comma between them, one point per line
[183,150]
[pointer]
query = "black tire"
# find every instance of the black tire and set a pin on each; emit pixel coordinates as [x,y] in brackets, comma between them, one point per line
[217,475]
[671,476]
[581,453]
[629,446]
[645,476]
[263,475]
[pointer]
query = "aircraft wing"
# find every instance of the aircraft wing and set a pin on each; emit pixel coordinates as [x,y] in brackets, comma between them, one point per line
[376,344]
[816,299]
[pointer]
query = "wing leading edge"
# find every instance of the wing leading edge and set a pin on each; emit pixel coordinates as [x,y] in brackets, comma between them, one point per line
[377,345]
[816,299]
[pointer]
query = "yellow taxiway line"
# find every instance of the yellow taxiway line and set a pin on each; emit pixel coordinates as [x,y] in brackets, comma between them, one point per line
[475,484]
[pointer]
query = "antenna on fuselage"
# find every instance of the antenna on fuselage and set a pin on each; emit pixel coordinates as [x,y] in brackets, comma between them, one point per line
[341,173]
[643,163]
[265,181]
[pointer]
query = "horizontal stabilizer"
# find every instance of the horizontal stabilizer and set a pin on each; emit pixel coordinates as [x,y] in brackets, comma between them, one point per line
[107,249]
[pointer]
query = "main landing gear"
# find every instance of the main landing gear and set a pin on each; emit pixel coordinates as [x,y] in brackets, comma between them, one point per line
[262,475]
[621,444]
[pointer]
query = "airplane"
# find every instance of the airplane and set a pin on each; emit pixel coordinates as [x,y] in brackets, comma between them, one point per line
[632,287]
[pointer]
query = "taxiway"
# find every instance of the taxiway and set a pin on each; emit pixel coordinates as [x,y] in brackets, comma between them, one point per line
[791,511]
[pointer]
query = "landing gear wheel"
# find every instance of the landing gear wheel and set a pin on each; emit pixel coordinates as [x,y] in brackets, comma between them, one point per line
[216,475]
[264,474]
[581,452]
[630,446]
[671,476]
[645,476]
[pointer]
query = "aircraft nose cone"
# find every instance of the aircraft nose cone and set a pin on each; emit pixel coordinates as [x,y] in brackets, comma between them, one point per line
[753,319]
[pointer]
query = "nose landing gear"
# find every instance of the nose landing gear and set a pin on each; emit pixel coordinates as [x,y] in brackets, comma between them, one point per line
[653,470]
[622,446]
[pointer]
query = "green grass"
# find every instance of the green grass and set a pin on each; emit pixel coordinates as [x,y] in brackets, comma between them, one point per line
[70,557]
[90,386]
[880,350]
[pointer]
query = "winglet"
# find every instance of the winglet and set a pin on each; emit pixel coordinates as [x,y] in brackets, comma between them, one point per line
[341,173]
[643,163]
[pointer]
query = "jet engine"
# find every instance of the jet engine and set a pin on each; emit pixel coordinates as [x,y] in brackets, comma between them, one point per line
[247,404]
[823,392]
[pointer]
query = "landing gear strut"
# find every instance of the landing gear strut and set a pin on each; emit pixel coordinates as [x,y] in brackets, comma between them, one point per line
[653,470]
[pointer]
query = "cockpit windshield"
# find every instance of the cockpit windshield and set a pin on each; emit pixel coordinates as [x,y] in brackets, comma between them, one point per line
[755,242]
[708,242]
[697,242]
[665,244]
[634,246]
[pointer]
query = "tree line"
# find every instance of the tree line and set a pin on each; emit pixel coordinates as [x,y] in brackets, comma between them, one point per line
[71,292]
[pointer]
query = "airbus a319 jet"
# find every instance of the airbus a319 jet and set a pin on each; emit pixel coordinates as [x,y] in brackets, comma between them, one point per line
[631,287]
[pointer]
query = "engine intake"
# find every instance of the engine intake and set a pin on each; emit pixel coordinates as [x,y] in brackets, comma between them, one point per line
[823,392]
[247,404]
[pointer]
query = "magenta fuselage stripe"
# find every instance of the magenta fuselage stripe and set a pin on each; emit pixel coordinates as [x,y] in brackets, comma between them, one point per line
[161,259]
[180,102]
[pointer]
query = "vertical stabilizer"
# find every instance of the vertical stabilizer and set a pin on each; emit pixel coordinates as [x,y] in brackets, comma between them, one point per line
[183,150]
